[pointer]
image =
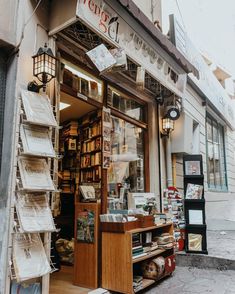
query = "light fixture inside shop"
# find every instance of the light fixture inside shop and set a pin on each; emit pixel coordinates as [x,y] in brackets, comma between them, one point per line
[63,106]
[167,126]
[44,68]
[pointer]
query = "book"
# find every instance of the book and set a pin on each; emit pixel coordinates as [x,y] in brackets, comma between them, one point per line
[36,141]
[194,191]
[35,174]
[101,58]
[29,258]
[38,109]
[88,192]
[34,213]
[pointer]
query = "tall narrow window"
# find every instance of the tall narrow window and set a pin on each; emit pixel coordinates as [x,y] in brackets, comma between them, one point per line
[216,166]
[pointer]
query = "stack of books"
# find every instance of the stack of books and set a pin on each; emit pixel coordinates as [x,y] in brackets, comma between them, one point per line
[137,283]
[66,182]
[165,241]
[137,246]
[71,129]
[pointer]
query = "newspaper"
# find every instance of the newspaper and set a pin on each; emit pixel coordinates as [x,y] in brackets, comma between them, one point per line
[37,108]
[34,213]
[29,257]
[35,174]
[36,141]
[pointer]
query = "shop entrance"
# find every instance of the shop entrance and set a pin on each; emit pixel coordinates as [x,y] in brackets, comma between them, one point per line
[77,118]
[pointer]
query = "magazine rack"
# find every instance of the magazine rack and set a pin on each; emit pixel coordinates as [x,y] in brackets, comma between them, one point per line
[35,186]
[194,205]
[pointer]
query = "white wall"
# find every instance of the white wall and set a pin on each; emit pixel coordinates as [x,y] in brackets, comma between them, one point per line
[151,8]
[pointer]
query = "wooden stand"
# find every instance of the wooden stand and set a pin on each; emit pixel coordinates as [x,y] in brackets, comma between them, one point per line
[86,255]
[117,262]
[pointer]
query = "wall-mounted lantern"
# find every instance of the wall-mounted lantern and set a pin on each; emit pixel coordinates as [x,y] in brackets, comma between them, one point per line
[44,68]
[167,126]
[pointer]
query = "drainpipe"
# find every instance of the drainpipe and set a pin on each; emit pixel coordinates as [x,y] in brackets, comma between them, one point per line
[169,177]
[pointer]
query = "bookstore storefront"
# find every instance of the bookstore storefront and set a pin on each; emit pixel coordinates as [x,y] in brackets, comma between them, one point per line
[107,145]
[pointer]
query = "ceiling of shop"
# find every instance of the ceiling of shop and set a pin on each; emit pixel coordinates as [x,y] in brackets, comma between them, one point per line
[76,109]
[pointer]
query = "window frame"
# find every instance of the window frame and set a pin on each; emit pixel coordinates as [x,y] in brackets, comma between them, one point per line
[223,187]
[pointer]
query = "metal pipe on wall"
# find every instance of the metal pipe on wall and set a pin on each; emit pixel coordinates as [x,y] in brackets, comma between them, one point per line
[169,178]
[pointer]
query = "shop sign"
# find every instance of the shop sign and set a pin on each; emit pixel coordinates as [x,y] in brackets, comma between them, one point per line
[103,19]
[207,82]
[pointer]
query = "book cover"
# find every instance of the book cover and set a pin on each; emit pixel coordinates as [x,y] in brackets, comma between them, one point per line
[37,108]
[29,257]
[36,141]
[101,58]
[194,191]
[35,174]
[86,226]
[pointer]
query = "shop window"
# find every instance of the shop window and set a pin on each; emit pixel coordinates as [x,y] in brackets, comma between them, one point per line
[85,84]
[125,104]
[126,172]
[216,166]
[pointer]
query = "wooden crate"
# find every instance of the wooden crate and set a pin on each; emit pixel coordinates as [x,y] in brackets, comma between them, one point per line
[119,227]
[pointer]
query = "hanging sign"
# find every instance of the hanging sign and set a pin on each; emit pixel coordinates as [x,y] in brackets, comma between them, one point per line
[103,19]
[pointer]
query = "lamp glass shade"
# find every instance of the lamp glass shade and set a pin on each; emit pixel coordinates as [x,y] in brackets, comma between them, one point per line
[44,65]
[167,125]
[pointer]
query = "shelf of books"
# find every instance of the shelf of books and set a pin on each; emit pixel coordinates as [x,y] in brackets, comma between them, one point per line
[194,205]
[146,255]
[35,187]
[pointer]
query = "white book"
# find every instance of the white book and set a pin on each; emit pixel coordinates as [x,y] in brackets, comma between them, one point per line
[34,213]
[38,109]
[35,174]
[36,141]
[29,257]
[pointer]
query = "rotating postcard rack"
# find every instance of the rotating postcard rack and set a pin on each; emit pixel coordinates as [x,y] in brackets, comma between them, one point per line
[35,188]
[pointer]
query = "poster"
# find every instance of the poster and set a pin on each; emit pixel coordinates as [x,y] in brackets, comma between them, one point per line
[107,125]
[86,226]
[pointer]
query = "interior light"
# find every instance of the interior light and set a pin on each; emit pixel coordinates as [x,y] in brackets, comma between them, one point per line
[64,105]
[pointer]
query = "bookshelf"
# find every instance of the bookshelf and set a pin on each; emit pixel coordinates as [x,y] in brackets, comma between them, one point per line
[194,205]
[118,264]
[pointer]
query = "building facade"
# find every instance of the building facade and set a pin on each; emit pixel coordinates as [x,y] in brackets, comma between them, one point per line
[70,31]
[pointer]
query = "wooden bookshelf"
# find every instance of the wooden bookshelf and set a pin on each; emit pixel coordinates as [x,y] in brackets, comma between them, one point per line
[118,265]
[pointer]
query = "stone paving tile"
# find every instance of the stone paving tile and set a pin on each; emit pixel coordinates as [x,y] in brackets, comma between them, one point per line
[192,281]
[221,244]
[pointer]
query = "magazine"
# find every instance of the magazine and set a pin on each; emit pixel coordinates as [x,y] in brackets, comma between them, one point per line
[101,58]
[35,174]
[37,108]
[36,141]
[29,257]
[34,213]
[194,191]
[192,168]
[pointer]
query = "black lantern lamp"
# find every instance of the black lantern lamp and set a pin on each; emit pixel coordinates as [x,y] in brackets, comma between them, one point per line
[44,68]
[167,126]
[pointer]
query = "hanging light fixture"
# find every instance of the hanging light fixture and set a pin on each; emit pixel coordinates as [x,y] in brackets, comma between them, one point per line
[167,126]
[44,68]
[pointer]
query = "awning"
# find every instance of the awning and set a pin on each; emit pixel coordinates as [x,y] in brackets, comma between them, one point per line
[162,40]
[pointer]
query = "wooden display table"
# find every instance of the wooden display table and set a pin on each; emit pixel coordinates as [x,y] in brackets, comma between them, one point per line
[118,265]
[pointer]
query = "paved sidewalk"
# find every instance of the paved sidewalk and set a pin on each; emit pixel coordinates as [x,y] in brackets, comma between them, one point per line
[221,244]
[192,281]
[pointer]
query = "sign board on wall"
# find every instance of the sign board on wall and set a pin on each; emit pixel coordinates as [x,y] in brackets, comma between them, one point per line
[103,19]
[207,82]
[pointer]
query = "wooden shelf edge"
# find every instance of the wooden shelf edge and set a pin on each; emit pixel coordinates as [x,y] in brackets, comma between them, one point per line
[152,254]
[139,230]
